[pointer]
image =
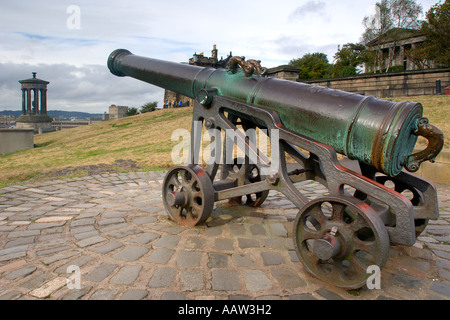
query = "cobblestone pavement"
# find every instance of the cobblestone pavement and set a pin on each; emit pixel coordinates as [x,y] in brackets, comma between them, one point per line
[112,230]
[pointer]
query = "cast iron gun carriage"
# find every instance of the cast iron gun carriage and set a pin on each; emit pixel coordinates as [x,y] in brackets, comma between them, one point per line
[337,236]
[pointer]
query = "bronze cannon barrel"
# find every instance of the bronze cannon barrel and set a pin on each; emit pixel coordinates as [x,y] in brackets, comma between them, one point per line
[379,133]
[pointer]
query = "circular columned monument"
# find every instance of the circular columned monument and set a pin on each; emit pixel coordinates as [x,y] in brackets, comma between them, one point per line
[34,105]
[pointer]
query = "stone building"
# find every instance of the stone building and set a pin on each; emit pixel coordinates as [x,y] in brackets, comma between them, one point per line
[395,46]
[211,62]
[34,105]
[285,72]
[115,112]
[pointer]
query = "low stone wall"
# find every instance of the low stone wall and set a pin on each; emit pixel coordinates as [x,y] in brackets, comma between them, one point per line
[12,140]
[438,172]
[390,85]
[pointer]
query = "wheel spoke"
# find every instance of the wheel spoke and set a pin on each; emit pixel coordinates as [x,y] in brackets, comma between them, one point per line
[338,212]
[337,271]
[195,185]
[367,246]
[173,181]
[317,214]
[307,233]
[176,211]
[369,249]
[192,213]
[197,194]
[358,224]
[359,266]
[309,257]
[186,177]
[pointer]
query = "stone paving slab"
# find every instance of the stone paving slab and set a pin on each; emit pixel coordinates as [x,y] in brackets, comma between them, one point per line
[110,233]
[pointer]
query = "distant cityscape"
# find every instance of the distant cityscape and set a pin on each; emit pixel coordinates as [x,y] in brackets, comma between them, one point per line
[61,119]
[57,114]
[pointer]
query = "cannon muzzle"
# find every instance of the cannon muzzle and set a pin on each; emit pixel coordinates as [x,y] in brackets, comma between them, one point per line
[376,132]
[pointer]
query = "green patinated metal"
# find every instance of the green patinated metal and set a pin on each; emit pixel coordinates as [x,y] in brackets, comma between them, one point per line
[379,133]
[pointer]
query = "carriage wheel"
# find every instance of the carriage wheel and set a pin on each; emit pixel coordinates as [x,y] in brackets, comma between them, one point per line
[251,175]
[188,195]
[338,238]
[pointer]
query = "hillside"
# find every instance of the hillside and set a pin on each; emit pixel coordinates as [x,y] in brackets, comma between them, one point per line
[144,139]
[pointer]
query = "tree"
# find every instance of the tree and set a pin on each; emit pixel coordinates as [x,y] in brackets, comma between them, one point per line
[390,16]
[312,66]
[419,56]
[347,60]
[405,14]
[437,30]
[132,112]
[149,107]
[375,26]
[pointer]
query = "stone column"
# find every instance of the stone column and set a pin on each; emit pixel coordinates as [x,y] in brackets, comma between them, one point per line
[36,101]
[43,101]
[28,101]
[24,109]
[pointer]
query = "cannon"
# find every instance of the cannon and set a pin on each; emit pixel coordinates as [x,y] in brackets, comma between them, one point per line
[338,236]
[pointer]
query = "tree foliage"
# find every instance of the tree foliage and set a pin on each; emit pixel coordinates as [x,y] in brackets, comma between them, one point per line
[312,66]
[405,14]
[437,29]
[393,21]
[149,107]
[132,112]
[348,59]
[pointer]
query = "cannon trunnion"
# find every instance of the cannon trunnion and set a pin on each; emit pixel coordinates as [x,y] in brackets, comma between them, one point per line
[338,236]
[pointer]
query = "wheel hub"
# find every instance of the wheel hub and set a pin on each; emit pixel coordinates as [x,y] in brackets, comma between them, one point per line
[326,247]
[176,199]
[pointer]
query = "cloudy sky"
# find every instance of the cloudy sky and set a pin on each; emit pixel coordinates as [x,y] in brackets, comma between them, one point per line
[68,42]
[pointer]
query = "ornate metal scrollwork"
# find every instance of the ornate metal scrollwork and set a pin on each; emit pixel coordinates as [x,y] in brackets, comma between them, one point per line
[435,139]
[250,67]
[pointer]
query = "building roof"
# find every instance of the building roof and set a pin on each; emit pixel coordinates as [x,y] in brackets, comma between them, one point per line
[396,34]
[286,67]
[34,80]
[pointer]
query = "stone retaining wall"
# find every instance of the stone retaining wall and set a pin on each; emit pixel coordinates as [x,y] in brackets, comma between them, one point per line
[389,85]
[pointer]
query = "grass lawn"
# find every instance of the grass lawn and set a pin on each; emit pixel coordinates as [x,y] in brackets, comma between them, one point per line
[144,138]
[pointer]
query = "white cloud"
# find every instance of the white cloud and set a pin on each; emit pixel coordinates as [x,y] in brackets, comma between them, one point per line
[312,7]
[89,88]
